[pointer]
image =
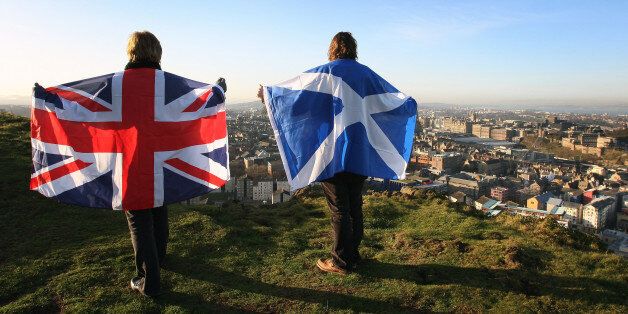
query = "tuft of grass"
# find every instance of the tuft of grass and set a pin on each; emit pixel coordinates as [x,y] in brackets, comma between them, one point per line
[421,254]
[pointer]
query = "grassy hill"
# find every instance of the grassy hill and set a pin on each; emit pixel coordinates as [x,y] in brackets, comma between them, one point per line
[423,254]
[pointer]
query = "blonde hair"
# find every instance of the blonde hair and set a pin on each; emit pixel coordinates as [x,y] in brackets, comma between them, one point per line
[143,47]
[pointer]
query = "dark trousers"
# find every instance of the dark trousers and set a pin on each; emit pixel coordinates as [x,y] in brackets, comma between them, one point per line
[149,234]
[344,197]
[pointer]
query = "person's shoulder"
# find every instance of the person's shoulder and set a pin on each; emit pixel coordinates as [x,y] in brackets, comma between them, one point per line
[324,68]
[340,65]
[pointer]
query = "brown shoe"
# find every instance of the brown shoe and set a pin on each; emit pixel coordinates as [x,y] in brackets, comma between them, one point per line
[327,265]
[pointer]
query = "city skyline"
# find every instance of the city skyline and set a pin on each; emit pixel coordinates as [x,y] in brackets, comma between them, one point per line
[532,52]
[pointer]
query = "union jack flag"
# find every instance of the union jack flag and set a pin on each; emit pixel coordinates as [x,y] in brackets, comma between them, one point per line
[130,140]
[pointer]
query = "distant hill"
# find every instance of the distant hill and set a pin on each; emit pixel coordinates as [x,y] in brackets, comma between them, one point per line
[19,110]
[619,109]
[245,106]
[422,254]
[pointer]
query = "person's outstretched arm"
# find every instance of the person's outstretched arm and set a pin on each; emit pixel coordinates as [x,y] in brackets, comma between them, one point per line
[222,83]
[260,93]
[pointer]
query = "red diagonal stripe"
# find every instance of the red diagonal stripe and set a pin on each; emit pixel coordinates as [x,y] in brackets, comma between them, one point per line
[57,173]
[82,100]
[195,171]
[199,102]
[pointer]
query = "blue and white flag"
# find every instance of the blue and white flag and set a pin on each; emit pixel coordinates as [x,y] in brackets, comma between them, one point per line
[339,117]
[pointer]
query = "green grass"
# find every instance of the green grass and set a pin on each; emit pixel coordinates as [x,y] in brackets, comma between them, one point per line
[423,254]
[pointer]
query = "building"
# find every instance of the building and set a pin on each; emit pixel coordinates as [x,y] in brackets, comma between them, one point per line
[280,197]
[525,211]
[501,193]
[490,167]
[470,187]
[621,221]
[568,142]
[255,166]
[426,122]
[572,195]
[485,131]
[456,125]
[229,188]
[282,186]
[588,139]
[458,197]
[489,205]
[553,203]
[573,213]
[244,189]
[423,159]
[482,131]
[276,169]
[479,203]
[539,202]
[472,184]
[263,191]
[476,129]
[451,162]
[606,142]
[599,213]
[502,134]
[619,177]
[589,195]
[557,212]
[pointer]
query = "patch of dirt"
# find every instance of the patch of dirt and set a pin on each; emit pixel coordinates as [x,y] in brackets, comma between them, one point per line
[459,246]
[516,257]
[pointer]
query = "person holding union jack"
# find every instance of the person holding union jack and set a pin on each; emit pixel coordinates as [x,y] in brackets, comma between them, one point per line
[133,140]
[149,227]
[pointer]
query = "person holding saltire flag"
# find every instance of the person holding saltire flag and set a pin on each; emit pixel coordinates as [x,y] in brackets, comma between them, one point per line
[134,140]
[338,124]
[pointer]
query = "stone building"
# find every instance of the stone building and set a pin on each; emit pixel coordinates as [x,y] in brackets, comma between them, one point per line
[451,162]
[502,134]
[456,125]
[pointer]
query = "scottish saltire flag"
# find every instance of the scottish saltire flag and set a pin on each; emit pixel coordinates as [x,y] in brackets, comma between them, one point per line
[129,140]
[338,117]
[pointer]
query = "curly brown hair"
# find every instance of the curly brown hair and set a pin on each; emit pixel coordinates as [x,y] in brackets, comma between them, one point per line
[343,46]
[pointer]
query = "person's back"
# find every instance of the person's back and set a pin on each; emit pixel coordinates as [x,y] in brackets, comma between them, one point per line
[148,227]
[344,190]
[337,124]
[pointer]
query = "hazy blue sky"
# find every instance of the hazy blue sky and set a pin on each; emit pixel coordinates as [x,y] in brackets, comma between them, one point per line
[461,52]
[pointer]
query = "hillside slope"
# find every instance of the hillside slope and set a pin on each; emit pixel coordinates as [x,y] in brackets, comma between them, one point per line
[422,254]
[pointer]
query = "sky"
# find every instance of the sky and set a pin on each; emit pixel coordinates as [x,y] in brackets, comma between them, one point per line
[457,52]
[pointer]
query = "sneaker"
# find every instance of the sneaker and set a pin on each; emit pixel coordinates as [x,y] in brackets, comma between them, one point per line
[136,284]
[327,265]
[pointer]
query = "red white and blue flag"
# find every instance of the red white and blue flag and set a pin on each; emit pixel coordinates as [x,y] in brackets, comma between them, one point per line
[130,140]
